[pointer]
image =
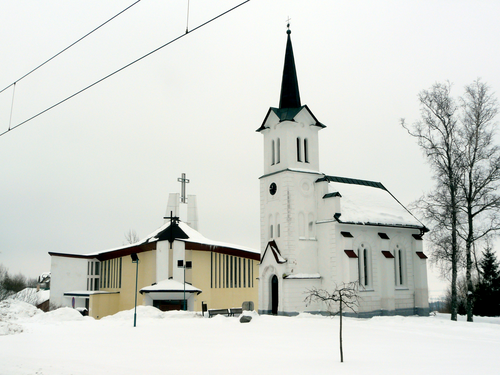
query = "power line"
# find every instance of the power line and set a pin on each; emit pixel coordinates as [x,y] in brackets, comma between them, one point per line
[68,47]
[123,67]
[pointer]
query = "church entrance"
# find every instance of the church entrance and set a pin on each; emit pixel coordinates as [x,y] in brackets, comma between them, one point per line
[274,295]
[168,305]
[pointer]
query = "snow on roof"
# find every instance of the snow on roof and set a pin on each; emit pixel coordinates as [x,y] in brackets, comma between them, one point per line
[86,293]
[193,237]
[170,285]
[197,237]
[303,276]
[364,203]
[32,296]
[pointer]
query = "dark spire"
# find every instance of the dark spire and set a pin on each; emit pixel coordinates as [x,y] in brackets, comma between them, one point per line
[290,97]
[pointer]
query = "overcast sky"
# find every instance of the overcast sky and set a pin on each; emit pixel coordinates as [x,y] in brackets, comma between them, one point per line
[78,177]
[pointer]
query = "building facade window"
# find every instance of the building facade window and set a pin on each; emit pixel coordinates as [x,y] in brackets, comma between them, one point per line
[272,152]
[93,276]
[302,225]
[277,226]
[306,151]
[111,273]
[399,266]
[299,156]
[278,151]
[310,226]
[364,266]
[228,271]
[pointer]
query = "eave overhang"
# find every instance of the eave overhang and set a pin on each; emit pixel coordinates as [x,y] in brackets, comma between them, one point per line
[288,114]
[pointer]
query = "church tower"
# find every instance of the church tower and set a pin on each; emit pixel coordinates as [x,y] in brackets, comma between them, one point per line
[287,192]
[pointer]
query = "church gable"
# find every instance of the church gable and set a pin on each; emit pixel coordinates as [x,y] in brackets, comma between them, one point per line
[301,115]
[272,248]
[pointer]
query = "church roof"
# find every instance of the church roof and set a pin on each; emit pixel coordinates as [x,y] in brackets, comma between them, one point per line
[365,202]
[194,241]
[290,105]
[290,97]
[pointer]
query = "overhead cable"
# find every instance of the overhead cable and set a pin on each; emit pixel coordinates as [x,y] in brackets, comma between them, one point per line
[68,47]
[124,67]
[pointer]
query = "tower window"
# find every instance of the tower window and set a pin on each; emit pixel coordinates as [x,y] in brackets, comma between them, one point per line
[299,157]
[278,151]
[302,225]
[310,227]
[306,151]
[272,152]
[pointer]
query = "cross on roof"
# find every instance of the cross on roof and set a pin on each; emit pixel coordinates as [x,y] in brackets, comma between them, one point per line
[183,180]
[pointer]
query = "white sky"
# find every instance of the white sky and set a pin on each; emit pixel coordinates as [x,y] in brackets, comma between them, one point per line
[79,176]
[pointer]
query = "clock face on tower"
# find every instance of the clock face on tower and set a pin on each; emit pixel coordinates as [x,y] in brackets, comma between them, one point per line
[273,188]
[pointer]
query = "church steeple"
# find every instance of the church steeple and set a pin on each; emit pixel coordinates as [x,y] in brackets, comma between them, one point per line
[290,97]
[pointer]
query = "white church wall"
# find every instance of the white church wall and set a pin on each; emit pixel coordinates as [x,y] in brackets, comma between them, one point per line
[420,271]
[295,292]
[162,260]
[67,274]
[179,253]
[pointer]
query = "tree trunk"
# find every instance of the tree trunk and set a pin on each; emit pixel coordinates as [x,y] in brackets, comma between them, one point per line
[340,313]
[468,271]
[454,241]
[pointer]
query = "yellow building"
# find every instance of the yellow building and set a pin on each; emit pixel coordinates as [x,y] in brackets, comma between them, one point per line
[221,275]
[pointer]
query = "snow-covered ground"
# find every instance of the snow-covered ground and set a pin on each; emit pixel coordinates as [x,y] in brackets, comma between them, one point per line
[64,342]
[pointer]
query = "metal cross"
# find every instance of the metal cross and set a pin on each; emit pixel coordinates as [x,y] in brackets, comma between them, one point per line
[183,180]
[288,22]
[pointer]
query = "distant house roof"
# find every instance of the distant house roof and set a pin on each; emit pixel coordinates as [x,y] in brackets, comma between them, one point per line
[365,202]
[194,241]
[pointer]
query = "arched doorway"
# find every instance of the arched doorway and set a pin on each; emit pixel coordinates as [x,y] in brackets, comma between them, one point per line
[274,295]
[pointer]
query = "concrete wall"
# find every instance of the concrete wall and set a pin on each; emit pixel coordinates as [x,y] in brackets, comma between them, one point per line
[67,274]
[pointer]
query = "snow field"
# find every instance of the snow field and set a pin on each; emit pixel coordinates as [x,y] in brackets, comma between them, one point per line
[64,342]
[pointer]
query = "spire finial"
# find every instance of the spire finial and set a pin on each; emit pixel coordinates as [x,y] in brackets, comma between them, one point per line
[288,31]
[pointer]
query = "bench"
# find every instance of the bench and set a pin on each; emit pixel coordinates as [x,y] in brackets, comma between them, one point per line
[235,311]
[213,312]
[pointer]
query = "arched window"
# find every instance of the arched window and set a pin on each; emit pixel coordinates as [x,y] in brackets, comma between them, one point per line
[278,226]
[310,226]
[399,266]
[299,158]
[272,152]
[278,151]
[271,226]
[306,151]
[302,225]
[364,266]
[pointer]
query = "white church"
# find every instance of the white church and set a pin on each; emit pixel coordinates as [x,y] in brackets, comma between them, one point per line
[318,230]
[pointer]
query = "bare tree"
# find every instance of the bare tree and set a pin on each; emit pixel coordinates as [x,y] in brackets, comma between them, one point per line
[131,236]
[437,134]
[345,295]
[480,180]
[10,285]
